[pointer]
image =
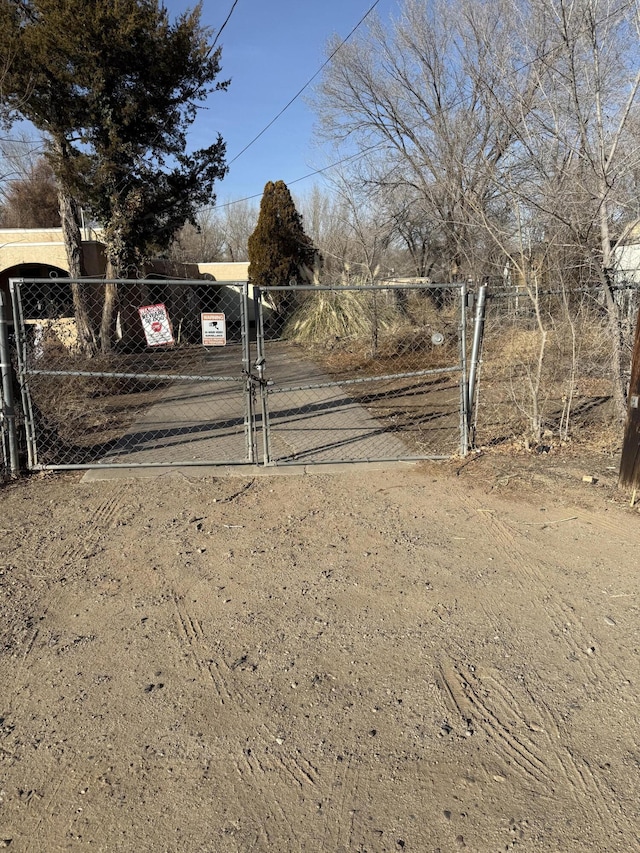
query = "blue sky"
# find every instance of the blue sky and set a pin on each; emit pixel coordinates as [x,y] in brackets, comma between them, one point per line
[270,49]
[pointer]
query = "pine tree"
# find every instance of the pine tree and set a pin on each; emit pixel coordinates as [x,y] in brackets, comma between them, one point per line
[114,86]
[280,253]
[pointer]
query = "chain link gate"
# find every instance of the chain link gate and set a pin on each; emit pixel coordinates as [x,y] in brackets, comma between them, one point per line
[218,373]
[362,373]
[153,394]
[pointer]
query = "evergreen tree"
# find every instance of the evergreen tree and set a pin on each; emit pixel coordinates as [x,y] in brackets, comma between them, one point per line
[114,86]
[279,250]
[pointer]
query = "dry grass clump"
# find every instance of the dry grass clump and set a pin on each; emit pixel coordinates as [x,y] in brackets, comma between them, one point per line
[383,324]
[431,309]
[343,315]
[81,411]
[554,386]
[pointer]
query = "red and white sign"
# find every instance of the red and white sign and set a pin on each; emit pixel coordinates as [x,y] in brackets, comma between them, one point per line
[156,325]
[214,330]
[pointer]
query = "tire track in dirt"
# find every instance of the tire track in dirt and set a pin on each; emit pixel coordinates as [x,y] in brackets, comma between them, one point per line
[287,761]
[264,797]
[63,554]
[266,767]
[22,661]
[114,509]
[526,740]
[110,513]
[585,786]
[248,780]
[566,626]
[596,668]
[193,641]
[501,723]
[58,561]
[262,783]
[610,525]
[48,806]
[339,822]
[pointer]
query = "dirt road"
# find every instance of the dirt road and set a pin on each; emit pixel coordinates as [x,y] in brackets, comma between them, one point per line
[372,661]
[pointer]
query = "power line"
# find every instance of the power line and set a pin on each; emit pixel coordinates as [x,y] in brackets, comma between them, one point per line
[355,156]
[306,86]
[226,21]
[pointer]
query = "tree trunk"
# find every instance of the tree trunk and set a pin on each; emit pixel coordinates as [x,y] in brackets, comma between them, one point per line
[630,461]
[613,312]
[109,311]
[73,246]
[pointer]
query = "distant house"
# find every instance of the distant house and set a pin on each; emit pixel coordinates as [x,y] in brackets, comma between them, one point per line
[627,260]
[40,253]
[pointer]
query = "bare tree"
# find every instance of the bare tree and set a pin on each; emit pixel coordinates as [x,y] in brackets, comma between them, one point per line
[237,221]
[591,91]
[202,242]
[326,217]
[221,234]
[19,154]
[413,92]
[31,201]
[508,125]
[576,156]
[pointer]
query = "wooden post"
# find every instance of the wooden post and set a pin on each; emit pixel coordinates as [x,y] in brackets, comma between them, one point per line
[630,462]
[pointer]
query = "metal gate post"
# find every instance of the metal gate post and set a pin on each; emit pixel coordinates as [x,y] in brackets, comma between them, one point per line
[8,407]
[249,415]
[21,357]
[260,365]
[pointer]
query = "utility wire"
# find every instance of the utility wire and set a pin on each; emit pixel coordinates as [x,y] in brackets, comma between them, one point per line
[226,21]
[306,86]
[355,156]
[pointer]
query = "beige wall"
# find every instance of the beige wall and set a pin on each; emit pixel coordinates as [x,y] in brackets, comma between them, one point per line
[37,252]
[238,271]
[30,246]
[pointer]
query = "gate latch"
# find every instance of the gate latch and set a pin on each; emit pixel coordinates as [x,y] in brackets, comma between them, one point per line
[259,365]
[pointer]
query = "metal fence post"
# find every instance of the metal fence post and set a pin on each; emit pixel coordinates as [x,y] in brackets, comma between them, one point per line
[8,405]
[249,420]
[478,328]
[464,385]
[21,357]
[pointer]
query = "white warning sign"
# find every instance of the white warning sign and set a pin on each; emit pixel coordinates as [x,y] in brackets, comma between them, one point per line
[214,330]
[156,325]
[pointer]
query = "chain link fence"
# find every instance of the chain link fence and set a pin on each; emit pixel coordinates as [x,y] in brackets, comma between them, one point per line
[9,449]
[362,373]
[546,373]
[133,373]
[161,372]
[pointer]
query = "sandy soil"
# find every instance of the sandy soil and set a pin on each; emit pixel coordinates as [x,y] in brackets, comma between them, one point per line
[427,659]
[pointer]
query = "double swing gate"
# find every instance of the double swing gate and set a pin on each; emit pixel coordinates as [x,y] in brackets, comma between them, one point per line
[161,373]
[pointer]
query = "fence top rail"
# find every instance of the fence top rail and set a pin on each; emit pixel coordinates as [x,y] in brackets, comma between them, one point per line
[99,280]
[336,288]
[381,285]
